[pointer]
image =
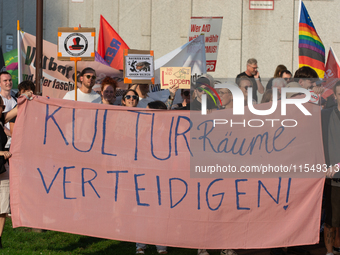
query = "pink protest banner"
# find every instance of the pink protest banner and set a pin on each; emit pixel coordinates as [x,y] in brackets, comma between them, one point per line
[122,173]
[58,76]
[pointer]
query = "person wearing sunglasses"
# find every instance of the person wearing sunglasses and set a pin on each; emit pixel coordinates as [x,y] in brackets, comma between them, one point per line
[130,98]
[85,92]
[287,76]
[108,90]
[145,97]
[143,94]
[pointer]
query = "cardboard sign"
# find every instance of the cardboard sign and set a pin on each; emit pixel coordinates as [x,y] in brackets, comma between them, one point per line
[138,67]
[76,43]
[175,76]
[211,28]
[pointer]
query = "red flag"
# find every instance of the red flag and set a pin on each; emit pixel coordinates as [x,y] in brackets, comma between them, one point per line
[110,45]
[332,70]
[332,73]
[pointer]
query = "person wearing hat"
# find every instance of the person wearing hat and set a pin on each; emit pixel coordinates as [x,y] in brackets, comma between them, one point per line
[85,92]
[203,84]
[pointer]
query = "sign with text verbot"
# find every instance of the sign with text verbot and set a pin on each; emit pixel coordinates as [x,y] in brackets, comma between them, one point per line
[211,28]
[175,76]
[76,42]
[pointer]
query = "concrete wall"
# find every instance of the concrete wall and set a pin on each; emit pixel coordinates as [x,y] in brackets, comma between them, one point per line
[163,25]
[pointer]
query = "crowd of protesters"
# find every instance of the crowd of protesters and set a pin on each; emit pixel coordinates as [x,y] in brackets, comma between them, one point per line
[136,95]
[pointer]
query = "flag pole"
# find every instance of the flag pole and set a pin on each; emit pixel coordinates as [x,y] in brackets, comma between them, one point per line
[299,11]
[19,51]
[39,45]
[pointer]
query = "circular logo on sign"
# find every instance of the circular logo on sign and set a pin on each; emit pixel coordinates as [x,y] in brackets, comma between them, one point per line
[76,44]
[314,98]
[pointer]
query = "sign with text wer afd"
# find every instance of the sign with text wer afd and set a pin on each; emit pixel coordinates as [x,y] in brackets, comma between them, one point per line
[211,28]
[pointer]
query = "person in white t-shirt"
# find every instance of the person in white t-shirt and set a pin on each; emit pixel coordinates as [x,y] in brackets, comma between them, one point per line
[6,85]
[85,92]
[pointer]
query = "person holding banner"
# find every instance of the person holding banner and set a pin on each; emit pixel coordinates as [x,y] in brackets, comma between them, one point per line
[185,94]
[202,85]
[4,169]
[142,92]
[108,90]
[306,77]
[4,176]
[23,87]
[85,92]
[144,99]
[130,98]
[331,141]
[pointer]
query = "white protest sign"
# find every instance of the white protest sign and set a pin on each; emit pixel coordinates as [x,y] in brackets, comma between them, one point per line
[211,28]
[138,67]
[76,42]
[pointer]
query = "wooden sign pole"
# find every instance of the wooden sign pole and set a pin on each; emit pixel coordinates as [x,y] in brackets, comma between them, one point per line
[75,76]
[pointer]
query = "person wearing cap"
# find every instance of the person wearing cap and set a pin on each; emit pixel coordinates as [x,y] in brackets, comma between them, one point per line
[85,92]
[203,84]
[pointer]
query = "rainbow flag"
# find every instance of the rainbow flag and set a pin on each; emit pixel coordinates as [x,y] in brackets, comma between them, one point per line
[311,49]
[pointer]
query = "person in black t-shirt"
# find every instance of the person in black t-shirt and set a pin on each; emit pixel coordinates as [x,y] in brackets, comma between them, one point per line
[253,74]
